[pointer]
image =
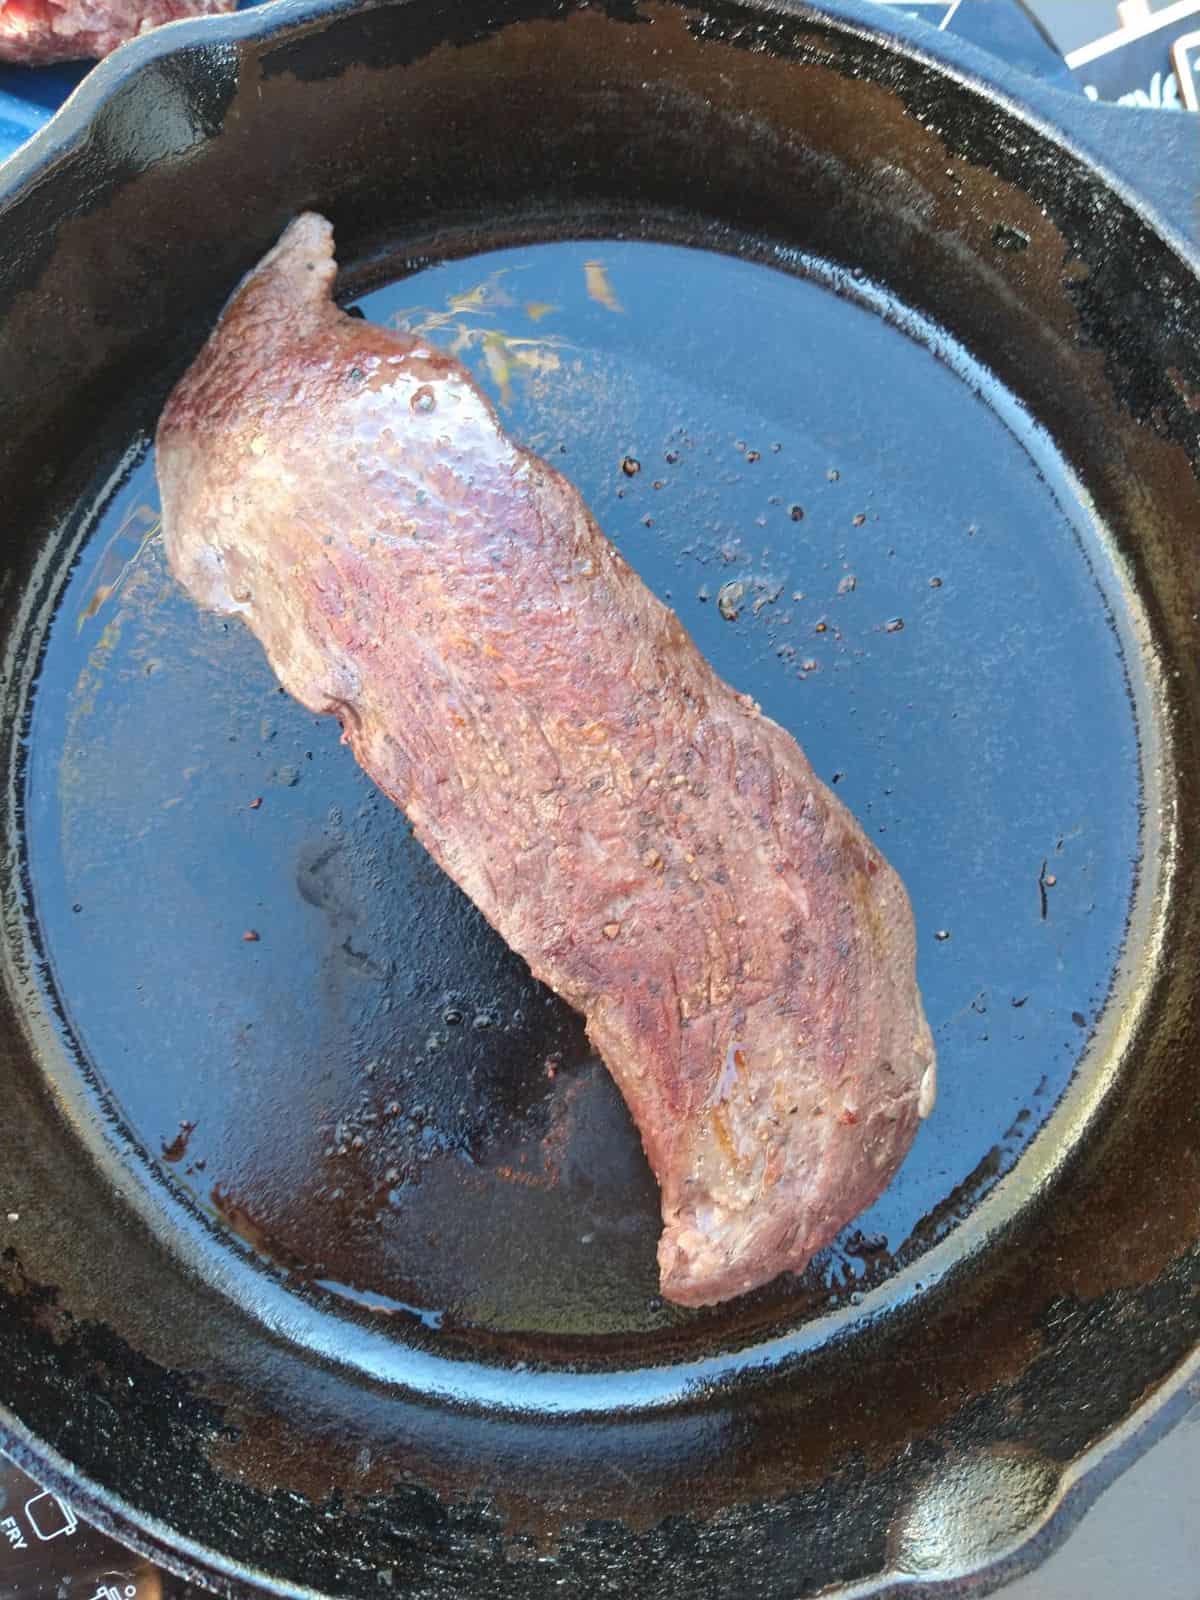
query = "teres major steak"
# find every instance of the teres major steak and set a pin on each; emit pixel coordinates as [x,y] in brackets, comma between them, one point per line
[659,852]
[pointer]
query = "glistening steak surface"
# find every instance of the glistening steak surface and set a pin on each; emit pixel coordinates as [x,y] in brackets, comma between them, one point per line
[34,32]
[659,852]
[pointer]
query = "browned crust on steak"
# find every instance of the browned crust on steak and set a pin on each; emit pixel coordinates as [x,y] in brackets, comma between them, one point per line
[659,852]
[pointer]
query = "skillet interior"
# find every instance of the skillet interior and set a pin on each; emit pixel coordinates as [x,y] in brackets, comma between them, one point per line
[573,1425]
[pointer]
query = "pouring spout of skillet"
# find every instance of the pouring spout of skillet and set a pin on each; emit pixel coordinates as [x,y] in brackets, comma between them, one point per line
[659,852]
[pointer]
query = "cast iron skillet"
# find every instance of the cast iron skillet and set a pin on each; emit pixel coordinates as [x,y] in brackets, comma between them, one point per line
[384,1319]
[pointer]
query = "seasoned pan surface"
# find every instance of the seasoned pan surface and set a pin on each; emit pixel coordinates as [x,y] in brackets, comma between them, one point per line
[371,1091]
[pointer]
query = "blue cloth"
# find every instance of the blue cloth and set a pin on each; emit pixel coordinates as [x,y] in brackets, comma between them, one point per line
[29,96]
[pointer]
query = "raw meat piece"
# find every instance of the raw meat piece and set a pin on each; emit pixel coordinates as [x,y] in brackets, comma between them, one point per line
[34,32]
[659,852]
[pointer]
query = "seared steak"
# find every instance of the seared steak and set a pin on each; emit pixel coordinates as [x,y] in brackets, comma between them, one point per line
[659,852]
[34,32]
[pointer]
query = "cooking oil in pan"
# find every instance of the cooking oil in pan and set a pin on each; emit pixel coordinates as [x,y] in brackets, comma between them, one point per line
[314,1036]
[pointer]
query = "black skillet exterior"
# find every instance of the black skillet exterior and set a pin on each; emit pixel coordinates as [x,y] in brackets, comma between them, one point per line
[202,1436]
